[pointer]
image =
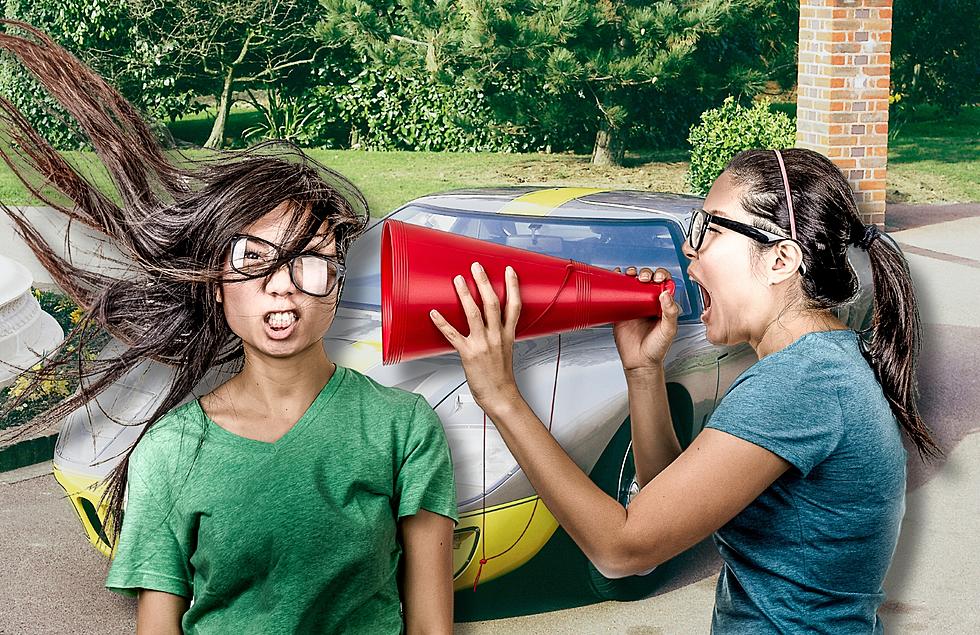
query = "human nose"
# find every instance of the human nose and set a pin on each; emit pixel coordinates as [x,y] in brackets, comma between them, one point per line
[280,281]
[688,251]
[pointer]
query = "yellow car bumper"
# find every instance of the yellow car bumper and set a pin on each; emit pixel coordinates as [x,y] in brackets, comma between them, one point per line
[508,535]
[85,494]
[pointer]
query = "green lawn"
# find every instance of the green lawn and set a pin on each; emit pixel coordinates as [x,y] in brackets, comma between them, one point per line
[929,162]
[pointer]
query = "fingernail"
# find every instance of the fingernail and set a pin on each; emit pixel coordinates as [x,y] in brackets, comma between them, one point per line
[458,279]
[477,267]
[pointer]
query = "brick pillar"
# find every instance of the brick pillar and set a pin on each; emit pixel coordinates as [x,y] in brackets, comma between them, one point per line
[842,92]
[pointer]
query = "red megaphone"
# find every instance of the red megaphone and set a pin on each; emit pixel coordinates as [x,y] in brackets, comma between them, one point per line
[417,270]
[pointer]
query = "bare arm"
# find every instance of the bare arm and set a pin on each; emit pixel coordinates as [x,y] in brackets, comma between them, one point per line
[711,482]
[655,443]
[643,344]
[159,613]
[427,586]
[707,485]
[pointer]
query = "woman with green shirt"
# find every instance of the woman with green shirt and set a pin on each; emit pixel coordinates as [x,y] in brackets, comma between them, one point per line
[800,471]
[298,496]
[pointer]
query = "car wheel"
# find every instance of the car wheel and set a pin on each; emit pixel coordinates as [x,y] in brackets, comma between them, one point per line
[615,473]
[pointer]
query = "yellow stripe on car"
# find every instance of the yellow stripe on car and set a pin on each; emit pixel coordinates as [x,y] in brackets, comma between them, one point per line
[361,356]
[543,202]
[502,532]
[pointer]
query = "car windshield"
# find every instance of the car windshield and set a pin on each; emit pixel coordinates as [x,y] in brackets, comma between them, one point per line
[653,242]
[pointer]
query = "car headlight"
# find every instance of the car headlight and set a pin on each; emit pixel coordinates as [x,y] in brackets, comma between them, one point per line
[463,420]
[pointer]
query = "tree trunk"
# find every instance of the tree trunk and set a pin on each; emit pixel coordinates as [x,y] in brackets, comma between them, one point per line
[217,137]
[608,146]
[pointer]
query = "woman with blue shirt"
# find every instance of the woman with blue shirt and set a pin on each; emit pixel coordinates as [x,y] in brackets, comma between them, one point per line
[800,472]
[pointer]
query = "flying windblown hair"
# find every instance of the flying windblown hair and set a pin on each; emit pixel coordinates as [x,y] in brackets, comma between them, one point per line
[173,220]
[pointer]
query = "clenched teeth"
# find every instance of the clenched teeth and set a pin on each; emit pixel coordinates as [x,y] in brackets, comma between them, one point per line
[281,320]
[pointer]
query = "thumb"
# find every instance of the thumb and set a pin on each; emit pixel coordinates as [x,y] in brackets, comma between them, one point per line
[669,308]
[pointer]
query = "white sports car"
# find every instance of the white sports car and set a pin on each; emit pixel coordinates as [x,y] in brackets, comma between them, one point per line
[501,518]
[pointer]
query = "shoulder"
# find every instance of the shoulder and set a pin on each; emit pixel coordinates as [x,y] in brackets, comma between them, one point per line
[378,396]
[173,437]
[815,366]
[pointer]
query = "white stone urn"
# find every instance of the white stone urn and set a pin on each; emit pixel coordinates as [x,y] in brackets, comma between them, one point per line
[26,332]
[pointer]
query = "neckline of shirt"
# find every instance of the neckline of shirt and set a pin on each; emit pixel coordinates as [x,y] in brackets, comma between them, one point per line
[321,400]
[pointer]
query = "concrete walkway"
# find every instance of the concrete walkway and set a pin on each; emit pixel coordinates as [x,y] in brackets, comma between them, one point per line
[53,579]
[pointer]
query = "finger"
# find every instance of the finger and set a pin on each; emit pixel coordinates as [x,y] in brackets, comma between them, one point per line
[474,318]
[631,271]
[448,330]
[645,275]
[617,270]
[491,304]
[513,308]
[669,310]
[661,274]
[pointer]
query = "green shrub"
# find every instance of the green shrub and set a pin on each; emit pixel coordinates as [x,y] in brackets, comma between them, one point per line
[729,129]
[388,110]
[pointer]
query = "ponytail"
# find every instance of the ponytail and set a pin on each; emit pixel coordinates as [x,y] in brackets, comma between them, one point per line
[895,337]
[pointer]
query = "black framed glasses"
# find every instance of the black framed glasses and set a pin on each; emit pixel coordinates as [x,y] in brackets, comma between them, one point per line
[311,273]
[698,227]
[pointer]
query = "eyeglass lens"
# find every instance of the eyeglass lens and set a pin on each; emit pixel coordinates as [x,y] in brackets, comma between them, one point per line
[311,274]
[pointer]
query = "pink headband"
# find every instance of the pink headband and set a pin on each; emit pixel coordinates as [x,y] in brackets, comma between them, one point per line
[789,196]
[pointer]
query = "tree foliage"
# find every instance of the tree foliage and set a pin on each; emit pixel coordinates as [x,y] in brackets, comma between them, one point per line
[215,47]
[102,34]
[574,74]
[936,53]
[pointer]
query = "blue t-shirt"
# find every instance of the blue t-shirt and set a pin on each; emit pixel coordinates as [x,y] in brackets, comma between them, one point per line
[811,552]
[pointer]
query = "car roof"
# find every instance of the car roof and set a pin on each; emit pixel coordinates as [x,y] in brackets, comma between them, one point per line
[564,202]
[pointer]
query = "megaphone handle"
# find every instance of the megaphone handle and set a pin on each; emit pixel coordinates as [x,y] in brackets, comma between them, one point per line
[569,269]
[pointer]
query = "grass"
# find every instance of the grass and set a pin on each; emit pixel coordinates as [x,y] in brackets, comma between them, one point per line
[930,161]
[936,160]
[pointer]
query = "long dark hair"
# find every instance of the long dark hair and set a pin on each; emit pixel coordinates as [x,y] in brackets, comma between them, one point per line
[171,216]
[827,223]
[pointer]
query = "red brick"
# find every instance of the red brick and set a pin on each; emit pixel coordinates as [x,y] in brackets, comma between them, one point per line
[880,69]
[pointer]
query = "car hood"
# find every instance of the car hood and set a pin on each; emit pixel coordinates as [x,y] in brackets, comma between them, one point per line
[354,341]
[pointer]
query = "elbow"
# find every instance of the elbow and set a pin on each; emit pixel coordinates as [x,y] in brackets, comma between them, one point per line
[622,562]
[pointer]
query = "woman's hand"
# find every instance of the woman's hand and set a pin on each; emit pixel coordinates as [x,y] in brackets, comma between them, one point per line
[643,343]
[488,351]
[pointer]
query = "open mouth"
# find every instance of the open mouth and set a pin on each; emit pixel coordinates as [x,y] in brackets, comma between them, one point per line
[705,301]
[280,323]
[705,296]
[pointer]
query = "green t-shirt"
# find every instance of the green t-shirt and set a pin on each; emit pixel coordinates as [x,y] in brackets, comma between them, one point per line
[295,536]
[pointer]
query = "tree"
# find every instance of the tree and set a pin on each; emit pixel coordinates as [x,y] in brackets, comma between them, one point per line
[563,71]
[936,53]
[102,34]
[217,46]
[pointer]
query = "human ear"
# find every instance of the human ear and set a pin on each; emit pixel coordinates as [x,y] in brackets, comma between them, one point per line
[786,259]
[217,294]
